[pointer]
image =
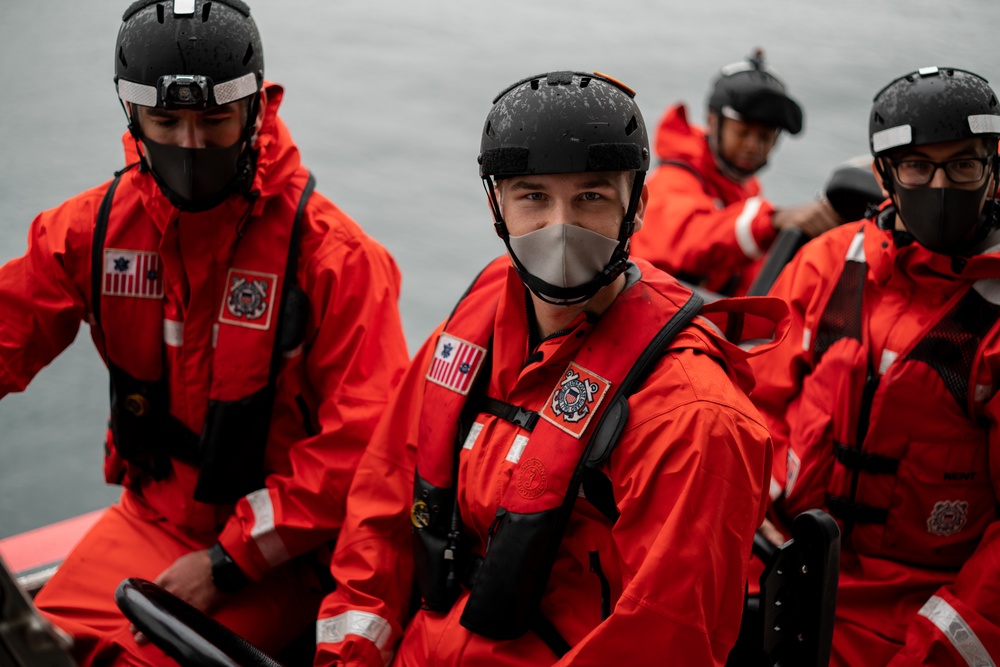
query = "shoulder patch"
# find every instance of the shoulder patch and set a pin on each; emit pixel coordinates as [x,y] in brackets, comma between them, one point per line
[456,363]
[132,273]
[575,399]
[248,298]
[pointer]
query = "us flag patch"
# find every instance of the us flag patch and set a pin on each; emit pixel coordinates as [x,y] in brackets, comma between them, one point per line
[132,273]
[575,399]
[456,363]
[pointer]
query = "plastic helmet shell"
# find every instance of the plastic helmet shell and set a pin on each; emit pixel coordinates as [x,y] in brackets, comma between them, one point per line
[214,39]
[564,122]
[932,105]
[755,95]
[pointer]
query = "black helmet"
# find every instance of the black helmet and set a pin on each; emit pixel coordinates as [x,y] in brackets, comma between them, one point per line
[564,122]
[560,123]
[747,91]
[188,54]
[932,105]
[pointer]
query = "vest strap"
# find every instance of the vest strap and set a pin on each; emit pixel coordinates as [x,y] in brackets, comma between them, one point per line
[862,462]
[514,414]
[845,510]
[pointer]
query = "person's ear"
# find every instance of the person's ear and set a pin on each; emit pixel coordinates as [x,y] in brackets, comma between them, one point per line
[878,177]
[640,210]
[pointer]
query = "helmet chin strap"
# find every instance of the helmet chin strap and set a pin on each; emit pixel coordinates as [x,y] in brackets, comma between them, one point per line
[568,296]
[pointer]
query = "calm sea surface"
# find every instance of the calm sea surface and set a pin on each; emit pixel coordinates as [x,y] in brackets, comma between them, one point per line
[386,99]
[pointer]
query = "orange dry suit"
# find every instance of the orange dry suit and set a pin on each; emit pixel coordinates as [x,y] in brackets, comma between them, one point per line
[883,406]
[700,225]
[656,582]
[191,321]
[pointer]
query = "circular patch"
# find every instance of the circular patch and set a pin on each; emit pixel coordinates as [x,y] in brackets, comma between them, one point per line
[531,479]
[420,515]
[948,517]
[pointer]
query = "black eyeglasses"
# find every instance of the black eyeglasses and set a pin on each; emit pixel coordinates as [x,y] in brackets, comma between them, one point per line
[960,170]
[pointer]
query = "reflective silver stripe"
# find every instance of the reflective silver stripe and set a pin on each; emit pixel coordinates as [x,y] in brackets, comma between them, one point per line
[136,93]
[744,235]
[807,336]
[888,359]
[235,89]
[225,92]
[183,7]
[517,448]
[856,252]
[360,623]
[775,490]
[927,71]
[173,332]
[989,289]
[263,533]
[986,123]
[731,113]
[901,135]
[958,632]
[474,432]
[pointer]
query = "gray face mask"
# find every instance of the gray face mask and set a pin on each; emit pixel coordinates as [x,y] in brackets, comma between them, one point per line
[563,255]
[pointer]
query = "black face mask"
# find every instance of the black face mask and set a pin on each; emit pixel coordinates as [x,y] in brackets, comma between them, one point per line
[196,179]
[950,221]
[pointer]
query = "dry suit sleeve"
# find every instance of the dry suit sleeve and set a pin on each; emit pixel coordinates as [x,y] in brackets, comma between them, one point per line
[351,365]
[363,619]
[960,623]
[686,231]
[42,293]
[690,485]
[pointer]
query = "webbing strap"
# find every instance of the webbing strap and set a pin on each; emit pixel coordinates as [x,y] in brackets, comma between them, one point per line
[846,510]
[862,462]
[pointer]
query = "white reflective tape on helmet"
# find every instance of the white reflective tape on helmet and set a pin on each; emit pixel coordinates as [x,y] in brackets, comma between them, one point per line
[985,123]
[136,93]
[183,7]
[225,92]
[263,532]
[359,623]
[948,621]
[883,140]
[235,89]
[731,113]
[744,231]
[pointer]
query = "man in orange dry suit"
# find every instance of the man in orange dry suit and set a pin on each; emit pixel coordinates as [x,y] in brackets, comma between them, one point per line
[471,488]
[251,332]
[883,399]
[707,222]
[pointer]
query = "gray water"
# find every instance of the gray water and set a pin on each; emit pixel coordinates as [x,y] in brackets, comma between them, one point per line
[386,99]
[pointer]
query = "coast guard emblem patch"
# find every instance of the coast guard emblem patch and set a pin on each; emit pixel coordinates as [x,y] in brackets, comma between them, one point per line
[948,517]
[575,399]
[456,363]
[248,298]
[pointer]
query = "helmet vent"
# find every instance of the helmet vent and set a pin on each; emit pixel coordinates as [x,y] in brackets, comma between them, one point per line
[534,84]
[489,129]
[248,55]
[205,10]
[121,57]
[159,13]
[585,81]
[632,126]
